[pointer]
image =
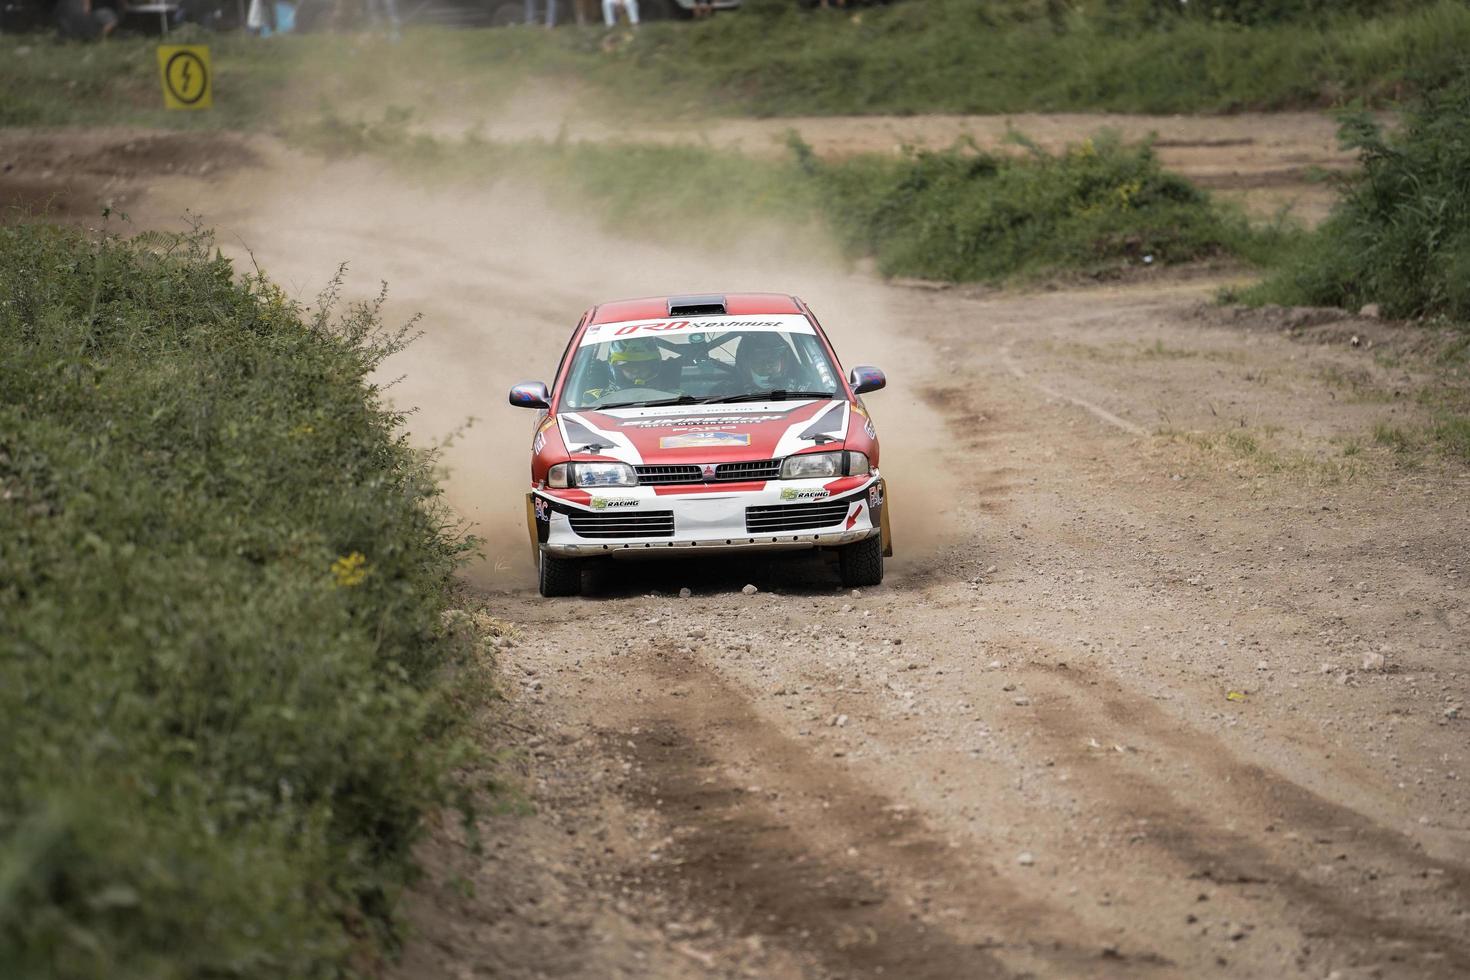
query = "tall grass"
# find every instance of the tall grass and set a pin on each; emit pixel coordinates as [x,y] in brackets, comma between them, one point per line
[958,56]
[1401,235]
[774,58]
[222,579]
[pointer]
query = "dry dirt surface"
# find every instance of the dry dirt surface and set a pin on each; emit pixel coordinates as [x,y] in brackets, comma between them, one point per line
[1168,677]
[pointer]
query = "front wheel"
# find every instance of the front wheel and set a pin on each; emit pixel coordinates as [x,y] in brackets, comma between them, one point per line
[861,563]
[560,576]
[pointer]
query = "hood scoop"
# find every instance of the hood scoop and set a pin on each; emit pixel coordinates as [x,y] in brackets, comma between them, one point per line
[706,304]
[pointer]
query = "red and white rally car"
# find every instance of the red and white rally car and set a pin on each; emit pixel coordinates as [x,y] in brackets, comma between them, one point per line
[703,424]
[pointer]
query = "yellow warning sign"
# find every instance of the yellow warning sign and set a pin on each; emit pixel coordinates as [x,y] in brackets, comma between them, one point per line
[184,69]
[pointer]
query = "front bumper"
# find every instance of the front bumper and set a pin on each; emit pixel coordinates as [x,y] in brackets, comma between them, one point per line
[635,522]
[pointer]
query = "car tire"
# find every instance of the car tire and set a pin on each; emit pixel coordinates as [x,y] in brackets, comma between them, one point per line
[861,563]
[560,576]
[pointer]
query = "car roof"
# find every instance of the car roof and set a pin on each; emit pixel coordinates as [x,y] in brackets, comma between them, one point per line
[656,307]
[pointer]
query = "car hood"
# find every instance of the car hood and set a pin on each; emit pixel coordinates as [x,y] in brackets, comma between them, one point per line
[706,433]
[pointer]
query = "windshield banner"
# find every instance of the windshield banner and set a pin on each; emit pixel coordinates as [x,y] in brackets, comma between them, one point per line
[601,333]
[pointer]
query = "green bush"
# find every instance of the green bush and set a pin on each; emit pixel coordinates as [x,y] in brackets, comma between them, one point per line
[966,216]
[1401,235]
[222,577]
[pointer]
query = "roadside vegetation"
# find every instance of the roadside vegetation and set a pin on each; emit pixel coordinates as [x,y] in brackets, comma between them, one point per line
[1400,236]
[225,624]
[1054,55]
[1400,239]
[777,58]
[1099,208]
[965,216]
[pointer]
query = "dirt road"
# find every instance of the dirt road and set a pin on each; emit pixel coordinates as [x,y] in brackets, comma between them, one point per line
[1168,678]
[1022,755]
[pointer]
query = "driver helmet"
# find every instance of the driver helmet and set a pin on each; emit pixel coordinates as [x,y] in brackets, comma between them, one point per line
[765,357]
[635,362]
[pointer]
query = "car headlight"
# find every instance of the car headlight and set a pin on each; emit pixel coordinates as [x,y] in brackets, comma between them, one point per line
[813,466]
[564,475]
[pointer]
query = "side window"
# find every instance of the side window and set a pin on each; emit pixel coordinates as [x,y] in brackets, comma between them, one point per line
[814,361]
[589,373]
[568,351]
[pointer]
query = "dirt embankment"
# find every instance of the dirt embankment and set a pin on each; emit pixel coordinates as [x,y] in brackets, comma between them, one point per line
[1269,163]
[1168,679]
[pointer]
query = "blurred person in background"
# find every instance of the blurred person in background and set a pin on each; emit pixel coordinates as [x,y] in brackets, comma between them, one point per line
[610,11]
[550,12]
[379,11]
[81,20]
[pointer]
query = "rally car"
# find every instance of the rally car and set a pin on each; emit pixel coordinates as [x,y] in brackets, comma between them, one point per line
[702,424]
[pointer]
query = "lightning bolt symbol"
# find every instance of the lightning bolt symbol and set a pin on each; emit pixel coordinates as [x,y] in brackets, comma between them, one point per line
[187,80]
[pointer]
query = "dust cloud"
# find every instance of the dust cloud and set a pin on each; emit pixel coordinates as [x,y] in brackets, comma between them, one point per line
[500,274]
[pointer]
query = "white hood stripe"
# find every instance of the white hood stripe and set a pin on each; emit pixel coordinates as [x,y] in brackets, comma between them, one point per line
[615,444]
[832,422]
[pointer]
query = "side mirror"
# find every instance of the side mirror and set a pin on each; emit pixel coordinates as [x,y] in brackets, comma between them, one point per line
[865,378]
[530,394]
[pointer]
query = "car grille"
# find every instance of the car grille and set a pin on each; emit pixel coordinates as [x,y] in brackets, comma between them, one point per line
[794,517]
[624,524]
[660,475]
[657,475]
[761,469]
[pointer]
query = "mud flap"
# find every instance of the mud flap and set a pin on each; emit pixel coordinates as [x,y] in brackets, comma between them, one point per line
[883,522]
[531,527]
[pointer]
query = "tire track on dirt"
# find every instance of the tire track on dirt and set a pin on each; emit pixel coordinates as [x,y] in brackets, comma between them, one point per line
[1071,704]
[815,858]
[1115,421]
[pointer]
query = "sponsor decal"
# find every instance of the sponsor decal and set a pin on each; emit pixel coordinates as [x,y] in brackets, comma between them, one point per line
[539,442]
[694,421]
[599,333]
[868,428]
[694,440]
[543,510]
[699,326]
[857,511]
[875,497]
[792,493]
[613,503]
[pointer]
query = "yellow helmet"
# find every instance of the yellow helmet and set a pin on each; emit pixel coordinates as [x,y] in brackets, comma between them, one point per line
[640,349]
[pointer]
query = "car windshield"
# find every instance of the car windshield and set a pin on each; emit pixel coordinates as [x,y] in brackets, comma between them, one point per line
[699,366]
